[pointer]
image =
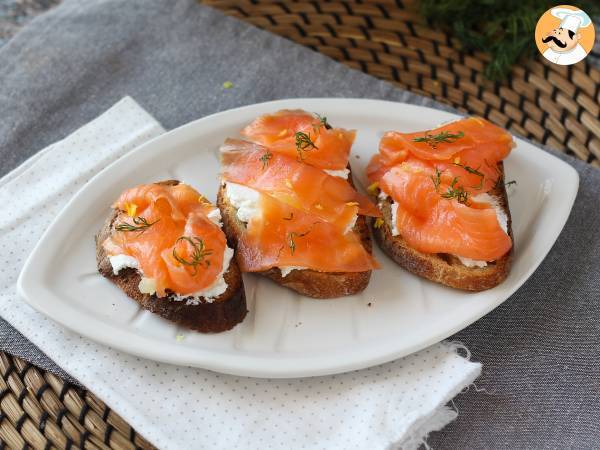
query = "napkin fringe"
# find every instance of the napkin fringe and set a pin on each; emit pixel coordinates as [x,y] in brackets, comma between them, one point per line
[443,414]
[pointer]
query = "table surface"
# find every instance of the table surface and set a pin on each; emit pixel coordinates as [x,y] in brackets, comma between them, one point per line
[16,13]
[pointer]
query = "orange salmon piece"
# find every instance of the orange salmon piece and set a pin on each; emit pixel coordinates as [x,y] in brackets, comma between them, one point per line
[172,213]
[299,185]
[287,236]
[330,147]
[432,224]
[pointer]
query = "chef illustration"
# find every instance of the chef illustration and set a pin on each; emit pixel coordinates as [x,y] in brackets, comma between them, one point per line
[563,42]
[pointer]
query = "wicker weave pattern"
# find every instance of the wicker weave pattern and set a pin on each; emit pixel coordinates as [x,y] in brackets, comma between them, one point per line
[554,105]
[41,411]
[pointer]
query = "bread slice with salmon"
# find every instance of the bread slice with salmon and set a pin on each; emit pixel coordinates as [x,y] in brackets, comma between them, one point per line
[290,208]
[444,202]
[163,246]
[311,283]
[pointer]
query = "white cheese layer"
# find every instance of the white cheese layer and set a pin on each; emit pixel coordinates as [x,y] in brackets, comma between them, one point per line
[148,285]
[243,198]
[342,173]
[286,270]
[394,207]
[471,262]
[120,262]
[215,216]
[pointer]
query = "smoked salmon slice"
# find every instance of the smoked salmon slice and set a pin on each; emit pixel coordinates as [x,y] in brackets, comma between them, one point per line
[303,136]
[299,185]
[167,230]
[431,221]
[469,148]
[286,236]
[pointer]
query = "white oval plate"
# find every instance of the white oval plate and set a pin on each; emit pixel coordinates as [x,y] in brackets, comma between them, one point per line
[284,334]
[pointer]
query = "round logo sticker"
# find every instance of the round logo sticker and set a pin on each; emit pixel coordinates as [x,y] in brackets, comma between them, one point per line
[564,35]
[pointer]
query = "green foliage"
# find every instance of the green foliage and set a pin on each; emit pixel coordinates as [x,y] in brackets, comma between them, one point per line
[502,28]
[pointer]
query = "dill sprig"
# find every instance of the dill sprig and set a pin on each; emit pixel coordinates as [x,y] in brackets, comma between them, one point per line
[456,192]
[434,139]
[140,224]
[291,239]
[265,158]
[323,121]
[199,253]
[503,29]
[304,143]
[437,179]
[474,172]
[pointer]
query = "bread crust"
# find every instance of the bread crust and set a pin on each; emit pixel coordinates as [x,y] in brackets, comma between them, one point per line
[221,314]
[444,268]
[311,283]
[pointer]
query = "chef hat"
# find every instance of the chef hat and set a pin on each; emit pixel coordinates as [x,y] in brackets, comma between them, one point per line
[571,19]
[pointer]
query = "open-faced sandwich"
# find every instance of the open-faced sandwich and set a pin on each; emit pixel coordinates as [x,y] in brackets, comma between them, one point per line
[289,205]
[443,198]
[163,245]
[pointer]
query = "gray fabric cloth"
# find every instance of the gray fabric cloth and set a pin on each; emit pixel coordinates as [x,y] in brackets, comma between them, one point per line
[540,385]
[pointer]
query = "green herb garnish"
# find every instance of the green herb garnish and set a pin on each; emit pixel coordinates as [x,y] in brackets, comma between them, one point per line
[265,158]
[456,192]
[304,143]
[503,29]
[437,179]
[139,224]
[291,239]
[444,137]
[199,253]
[323,122]
[474,172]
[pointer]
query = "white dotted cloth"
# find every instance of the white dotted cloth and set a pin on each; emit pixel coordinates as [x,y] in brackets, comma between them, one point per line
[394,405]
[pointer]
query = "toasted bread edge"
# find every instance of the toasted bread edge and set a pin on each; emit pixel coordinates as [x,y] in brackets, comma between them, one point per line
[311,283]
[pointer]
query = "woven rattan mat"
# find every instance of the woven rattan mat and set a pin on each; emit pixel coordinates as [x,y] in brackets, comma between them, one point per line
[553,105]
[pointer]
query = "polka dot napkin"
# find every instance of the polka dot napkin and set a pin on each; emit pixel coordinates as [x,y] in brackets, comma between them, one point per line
[394,405]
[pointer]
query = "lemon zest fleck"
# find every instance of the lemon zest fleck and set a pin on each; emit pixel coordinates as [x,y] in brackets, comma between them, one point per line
[372,189]
[130,209]
[378,222]
[318,206]
[228,85]
[457,160]
[352,204]
[179,337]
[283,132]
[288,183]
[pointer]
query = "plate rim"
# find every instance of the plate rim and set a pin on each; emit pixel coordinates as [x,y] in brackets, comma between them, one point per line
[239,363]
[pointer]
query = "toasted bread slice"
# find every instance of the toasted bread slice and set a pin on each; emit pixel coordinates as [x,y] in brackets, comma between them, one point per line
[440,267]
[306,281]
[220,314]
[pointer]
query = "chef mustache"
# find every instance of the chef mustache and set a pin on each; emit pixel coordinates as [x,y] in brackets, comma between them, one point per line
[556,41]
